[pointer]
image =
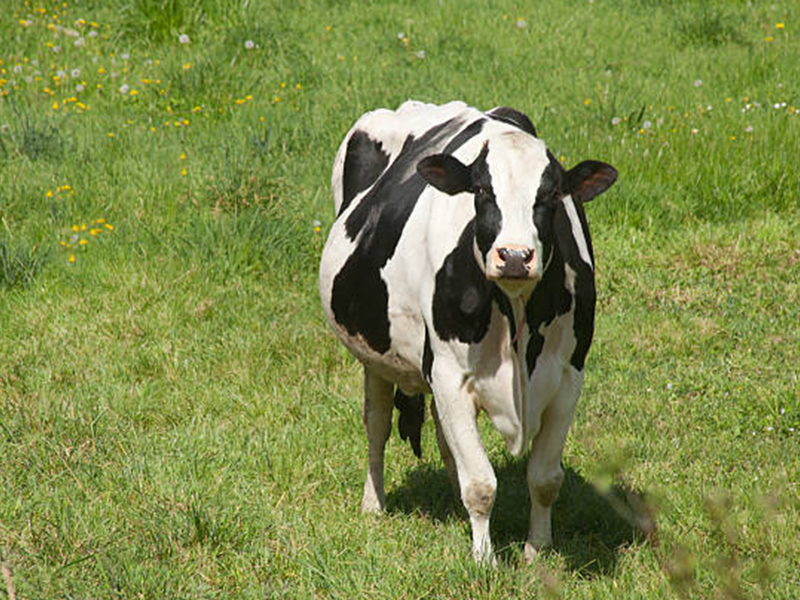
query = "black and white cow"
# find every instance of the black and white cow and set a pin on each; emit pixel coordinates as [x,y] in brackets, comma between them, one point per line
[460,263]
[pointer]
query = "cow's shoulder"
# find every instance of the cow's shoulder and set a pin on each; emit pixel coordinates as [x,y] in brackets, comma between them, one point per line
[568,285]
[463,297]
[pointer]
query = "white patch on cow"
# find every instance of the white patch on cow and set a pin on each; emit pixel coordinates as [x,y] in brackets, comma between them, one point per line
[569,279]
[577,230]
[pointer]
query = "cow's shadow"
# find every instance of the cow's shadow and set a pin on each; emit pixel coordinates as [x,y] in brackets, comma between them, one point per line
[591,529]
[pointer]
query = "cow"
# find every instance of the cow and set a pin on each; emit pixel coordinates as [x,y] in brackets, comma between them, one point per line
[460,264]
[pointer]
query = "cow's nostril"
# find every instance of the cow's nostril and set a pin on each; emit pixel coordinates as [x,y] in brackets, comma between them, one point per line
[529,255]
[503,253]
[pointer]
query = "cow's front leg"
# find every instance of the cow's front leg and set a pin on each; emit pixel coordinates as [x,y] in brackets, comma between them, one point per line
[545,474]
[457,418]
[444,451]
[378,406]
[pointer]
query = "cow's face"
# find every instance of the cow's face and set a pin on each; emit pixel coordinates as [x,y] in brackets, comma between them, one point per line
[517,185]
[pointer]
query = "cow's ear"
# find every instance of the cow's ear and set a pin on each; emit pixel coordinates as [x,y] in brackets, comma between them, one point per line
[589,179]
[445,173]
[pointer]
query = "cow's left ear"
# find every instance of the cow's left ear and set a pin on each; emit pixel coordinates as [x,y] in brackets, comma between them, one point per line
[445,173]
[589,179]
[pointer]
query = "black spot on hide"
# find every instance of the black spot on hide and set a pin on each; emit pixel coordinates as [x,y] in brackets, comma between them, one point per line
[364,162]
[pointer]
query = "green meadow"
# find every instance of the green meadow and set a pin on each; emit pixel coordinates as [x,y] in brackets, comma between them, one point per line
[176,419]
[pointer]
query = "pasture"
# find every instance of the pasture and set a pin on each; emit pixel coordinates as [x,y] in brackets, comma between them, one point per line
[176,419]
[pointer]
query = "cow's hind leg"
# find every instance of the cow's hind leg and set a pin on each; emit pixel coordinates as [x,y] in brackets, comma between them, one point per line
[545,474]
[378,404]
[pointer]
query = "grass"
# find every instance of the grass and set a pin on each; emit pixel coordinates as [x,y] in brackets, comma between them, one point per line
[177,421]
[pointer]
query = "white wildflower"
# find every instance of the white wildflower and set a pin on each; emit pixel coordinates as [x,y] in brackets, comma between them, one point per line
[749,129]
[421,54]
[124,88]
[93,33]
[184,39]
[249,44]
[521,23]
[616,121]
[79,88]
[698,82]
[80,42]
[75,73]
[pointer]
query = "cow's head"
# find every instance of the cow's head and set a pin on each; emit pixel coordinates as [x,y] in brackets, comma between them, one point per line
[517,185]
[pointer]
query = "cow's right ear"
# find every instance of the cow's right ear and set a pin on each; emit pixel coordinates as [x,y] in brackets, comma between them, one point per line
[445,173]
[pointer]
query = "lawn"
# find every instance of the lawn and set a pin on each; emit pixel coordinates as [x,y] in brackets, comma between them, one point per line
[176,419]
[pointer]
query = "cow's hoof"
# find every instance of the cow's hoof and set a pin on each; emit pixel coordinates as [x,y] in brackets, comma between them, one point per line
[371,506]
[533,550]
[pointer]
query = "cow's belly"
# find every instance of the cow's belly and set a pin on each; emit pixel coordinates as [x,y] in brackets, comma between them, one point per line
[401,362]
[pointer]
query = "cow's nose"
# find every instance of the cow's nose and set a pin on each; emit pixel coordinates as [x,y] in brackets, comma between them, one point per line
[514,262]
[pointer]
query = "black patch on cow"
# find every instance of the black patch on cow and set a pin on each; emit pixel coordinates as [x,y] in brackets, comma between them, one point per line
[462,297]
[551,298]
[364,162]
[359,297]
[427,357]
[513,117]
[585,295]
[488,218]
[412,414]
[544,207]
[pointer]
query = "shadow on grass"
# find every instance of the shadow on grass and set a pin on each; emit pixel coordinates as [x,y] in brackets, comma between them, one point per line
[591,528]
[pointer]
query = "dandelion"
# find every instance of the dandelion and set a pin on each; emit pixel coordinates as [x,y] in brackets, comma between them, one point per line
[615,121]
[249,44]
[698,82]
[71,258]
[587,102]
[779,25]
[317,226]
[647,125]
[768,39]
[401,35]
[184,39]
[124,88]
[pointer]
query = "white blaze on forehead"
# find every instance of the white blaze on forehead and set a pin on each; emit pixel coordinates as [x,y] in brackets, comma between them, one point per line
[516,163]
[577,230]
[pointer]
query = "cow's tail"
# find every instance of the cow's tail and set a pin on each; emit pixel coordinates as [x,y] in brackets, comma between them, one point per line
[412,414]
